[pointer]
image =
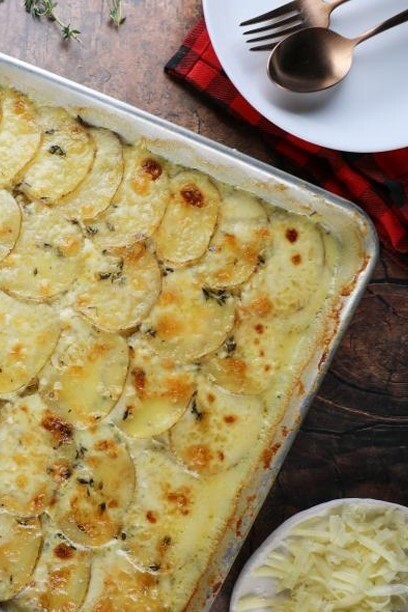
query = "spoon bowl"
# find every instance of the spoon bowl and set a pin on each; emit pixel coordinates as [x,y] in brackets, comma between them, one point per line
[317,58]
[311,60]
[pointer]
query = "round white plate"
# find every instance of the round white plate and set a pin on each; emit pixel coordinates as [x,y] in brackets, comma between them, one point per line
[249,583]
[367,112]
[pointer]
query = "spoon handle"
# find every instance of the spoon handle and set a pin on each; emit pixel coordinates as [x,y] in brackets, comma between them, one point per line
[335,3]
[381,27]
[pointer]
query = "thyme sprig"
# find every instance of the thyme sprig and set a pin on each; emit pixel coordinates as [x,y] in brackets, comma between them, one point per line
[115,14]
[46,8]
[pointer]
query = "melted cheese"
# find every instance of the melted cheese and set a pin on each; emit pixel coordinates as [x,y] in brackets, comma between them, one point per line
[117,584]
[94,194]
[188,321]
[91,504]
[47,257]
[20,135]
[157,393]
[189,220]
[36,450]
[139,203]
[118,287]
[10,222]
[63,159]
[86,374]
[241,236]
[20,542]
[217,431]
[28,335]
[61,577]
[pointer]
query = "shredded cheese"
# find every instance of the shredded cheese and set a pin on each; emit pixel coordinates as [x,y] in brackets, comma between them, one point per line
[354,559]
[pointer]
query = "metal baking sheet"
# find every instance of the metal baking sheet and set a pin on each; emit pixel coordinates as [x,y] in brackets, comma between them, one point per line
[346,222]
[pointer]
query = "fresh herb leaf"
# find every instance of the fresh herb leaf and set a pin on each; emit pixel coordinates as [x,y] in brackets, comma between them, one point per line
[46,8]
[219,295]
[56,150]
[115,14]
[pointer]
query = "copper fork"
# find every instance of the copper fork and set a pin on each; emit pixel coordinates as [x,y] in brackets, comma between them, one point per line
[288,18]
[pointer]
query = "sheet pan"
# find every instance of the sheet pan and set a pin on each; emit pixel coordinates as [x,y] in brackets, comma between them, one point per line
[351,227]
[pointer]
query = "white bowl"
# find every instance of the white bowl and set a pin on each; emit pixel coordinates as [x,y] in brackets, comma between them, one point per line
[249,583]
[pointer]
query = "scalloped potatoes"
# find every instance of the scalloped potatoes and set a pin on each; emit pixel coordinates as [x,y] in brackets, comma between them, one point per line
[150,317]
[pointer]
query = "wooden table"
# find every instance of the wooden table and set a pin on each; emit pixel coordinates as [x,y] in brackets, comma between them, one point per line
[354,441]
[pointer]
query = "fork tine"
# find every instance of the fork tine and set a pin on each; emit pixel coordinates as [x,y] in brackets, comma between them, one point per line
[281,10]
[279,37]
[277,34]
[277,24]
[264,47]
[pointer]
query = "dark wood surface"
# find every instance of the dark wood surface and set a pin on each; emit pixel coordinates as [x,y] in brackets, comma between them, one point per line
[354,441]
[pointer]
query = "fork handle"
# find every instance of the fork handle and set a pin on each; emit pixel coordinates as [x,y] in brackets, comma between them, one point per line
[381,27]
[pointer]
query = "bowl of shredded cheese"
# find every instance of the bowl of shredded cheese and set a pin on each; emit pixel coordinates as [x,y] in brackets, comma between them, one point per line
[346,554]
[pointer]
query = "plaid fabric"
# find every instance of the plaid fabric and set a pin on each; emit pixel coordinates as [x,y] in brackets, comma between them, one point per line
[377,182]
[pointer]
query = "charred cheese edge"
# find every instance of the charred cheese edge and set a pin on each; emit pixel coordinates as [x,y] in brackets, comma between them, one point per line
[154,323]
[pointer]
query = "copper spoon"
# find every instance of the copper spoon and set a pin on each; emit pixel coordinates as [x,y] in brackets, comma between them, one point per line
[317,58]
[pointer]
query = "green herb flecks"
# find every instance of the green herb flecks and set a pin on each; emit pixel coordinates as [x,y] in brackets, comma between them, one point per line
[56,150]
[116,15]
[219,295]
[46,8]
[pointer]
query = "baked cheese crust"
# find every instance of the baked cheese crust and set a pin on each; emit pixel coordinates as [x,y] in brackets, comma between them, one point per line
[153,324]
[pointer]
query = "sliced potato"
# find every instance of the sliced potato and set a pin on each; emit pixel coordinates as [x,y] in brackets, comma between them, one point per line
[139,203]
[189,220]
[96,191]
[36,451]
[157,392]
[87,372]
[118,287]
[165,504]
[116,584]
[61,578]
[20,542]
[63,159]
[294,266]
[91,505]
[240,238]
[47,257]
[20,134]
[28,335]
[189,320]
[280,300]
[10,222]
[218,430]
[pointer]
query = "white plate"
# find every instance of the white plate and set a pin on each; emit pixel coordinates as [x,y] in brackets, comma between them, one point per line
[367,112]
[249,583]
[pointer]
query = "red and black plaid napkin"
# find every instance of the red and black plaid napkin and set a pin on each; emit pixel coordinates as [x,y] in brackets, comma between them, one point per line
[377,182]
